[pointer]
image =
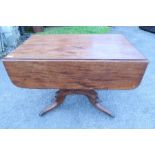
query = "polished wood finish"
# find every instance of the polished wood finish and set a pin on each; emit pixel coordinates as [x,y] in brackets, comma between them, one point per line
[76,62]
[79,47]
[61,95]
[97,74]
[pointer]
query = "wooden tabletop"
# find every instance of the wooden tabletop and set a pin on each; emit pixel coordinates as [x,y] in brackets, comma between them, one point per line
[79,47]
[76,62]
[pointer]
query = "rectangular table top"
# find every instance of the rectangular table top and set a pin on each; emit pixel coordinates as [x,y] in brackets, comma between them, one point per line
[79,47]
[76,62]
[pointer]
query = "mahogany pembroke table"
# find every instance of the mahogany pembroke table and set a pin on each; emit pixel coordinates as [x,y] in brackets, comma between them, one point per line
[76,64]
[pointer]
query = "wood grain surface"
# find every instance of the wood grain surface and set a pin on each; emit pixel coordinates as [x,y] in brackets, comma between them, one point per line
[108,46]
[76,74]
[76,62]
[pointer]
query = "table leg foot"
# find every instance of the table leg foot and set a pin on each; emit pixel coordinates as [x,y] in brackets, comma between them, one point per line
[48,108]
[94,100]
[62,93]
[103,109]
[59,99]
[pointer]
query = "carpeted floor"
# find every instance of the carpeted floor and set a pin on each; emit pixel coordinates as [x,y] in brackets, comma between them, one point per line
[135,108]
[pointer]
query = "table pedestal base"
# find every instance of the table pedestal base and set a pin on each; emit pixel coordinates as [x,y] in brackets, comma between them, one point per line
[62,93]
